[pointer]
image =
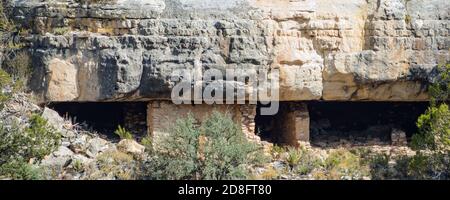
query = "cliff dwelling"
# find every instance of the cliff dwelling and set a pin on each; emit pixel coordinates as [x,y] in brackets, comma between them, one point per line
[323,124]
[105,117]
[358,89]
[363,123]
[342,71]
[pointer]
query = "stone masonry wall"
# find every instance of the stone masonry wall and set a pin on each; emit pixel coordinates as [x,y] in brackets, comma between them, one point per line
[161,116]
[248,125]
[292,124]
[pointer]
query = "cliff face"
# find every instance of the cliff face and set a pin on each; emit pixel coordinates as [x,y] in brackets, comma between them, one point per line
[380,50]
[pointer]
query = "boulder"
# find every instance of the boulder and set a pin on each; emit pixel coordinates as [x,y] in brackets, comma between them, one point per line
[131,147]
[95,146]
[53,118]
[58,159]
[79,143]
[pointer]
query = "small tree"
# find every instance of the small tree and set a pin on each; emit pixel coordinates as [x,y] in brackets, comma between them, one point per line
[434,129]
[440,89]
[434,124]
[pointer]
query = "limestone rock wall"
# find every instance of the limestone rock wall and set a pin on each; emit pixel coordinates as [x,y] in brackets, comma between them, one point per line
[379,50]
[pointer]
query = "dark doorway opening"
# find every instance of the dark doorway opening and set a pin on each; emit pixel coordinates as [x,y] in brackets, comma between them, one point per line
[266,126]
[362,123]
[105,117]
[287,127]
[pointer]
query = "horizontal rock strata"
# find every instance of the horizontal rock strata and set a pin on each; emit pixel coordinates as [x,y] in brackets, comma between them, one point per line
[357,50]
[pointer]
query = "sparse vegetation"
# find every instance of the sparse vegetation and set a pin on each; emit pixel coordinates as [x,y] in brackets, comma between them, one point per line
[308,163]
[293,157]
[270,173]
[338,164]
[408,19]
[342,164]
[35,141]
[19,170]
[78,165]
[215,150]
[123,133]
[5,82]
[147,142]
[118,165]
[6,24]
[429,166]
[61,30]
[379,166]
[18,65]
[18,145]
[15,60]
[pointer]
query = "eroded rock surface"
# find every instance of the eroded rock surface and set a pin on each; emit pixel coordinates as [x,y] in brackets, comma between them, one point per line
[382,50]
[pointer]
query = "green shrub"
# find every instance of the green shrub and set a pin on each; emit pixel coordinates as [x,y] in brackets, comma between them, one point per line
[78,166]
[308,163]
[423,165]
[35,141]
[147,142]
[276,149]
[379,167]
[440,89]
[216,150]
[293,157]
[175,156]
[123,133]
[20,170]
[429,166]
[226,149]
[5,81]
[433,134]
[42,138]
[19,145]
[434,129]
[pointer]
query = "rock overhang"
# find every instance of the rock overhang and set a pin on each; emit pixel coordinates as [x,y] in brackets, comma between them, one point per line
[349,50]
